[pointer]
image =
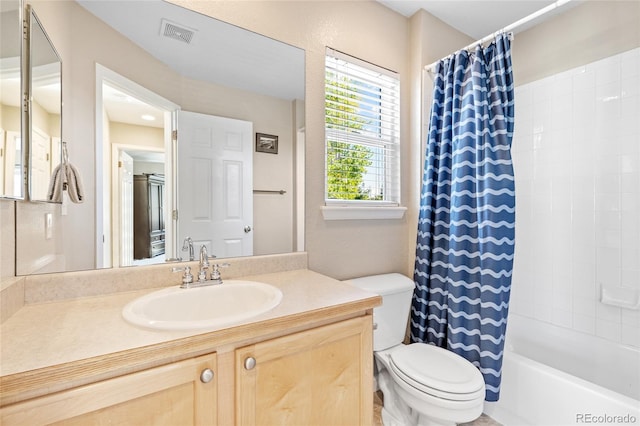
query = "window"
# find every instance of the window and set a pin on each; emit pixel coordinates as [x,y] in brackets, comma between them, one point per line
[362,133]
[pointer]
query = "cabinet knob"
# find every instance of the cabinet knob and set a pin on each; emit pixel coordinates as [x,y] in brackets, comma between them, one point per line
[206,376]
[249,363]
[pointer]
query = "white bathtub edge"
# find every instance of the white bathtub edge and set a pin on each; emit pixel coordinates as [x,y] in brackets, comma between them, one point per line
[534,394]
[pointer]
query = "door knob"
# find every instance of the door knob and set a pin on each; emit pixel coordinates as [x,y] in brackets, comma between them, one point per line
[206,376]
[247,229]
[249,363]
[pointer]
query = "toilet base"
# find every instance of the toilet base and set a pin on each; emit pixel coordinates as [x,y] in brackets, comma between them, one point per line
[398,404]
[389,420]
[410,417]
[437,413]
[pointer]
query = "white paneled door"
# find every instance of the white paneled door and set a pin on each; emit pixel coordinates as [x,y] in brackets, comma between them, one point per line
[215,184]
[125,181]
[40,164]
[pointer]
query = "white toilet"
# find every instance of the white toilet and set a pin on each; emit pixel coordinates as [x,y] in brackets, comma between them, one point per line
[422,384]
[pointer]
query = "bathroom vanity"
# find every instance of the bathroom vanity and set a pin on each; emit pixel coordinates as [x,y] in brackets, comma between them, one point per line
[306,361]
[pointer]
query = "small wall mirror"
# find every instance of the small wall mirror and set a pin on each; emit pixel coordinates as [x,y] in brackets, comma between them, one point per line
[45,124]
[11,140]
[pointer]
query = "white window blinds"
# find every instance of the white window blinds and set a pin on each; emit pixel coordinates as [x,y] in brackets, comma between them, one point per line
[362,132]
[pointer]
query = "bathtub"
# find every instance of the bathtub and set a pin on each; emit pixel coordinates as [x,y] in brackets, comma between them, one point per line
[555,376]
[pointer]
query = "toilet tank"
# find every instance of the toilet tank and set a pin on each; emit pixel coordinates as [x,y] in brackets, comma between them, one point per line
[389,319]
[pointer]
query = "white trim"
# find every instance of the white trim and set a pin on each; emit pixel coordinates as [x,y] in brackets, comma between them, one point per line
[361,212]
[103,180]
[362,63]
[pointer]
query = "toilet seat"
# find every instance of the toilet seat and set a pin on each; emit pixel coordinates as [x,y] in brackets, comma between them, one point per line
[437,372]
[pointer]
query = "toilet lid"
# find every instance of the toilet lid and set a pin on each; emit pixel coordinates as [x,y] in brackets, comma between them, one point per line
[437,371]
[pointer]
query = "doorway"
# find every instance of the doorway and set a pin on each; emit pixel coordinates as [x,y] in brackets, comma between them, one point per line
[134,128]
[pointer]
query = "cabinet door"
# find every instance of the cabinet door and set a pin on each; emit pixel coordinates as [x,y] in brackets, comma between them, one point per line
[318,377]
[155,206]
[169,395]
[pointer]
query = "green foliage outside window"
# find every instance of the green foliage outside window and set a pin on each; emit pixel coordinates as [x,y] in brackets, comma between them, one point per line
[346,163]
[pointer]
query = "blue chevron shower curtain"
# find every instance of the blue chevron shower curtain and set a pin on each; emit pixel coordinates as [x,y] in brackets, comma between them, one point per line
[464,254]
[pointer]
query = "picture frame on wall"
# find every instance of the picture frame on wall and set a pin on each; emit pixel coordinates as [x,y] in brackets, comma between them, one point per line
[266,143]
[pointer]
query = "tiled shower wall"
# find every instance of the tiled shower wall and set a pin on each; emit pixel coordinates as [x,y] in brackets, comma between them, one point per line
[576,153]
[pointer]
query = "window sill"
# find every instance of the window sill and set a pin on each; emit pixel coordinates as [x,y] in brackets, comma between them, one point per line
[360,213]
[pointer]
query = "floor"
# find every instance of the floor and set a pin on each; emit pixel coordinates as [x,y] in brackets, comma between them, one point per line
[483,420]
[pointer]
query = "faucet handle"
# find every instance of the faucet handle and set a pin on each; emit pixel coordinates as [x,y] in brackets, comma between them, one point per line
[215,273]
[187,277]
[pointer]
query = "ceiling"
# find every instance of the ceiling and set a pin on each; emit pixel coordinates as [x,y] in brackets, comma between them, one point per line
[198,47]
[478,18]
[216,51]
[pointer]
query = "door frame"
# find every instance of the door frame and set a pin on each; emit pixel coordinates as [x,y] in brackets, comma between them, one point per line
[104,160]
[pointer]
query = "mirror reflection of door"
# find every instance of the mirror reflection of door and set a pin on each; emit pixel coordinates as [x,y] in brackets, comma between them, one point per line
[215,183]
[40,163]
[13,164]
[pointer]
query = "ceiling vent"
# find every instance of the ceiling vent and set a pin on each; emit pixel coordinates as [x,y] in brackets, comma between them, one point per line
[176,31]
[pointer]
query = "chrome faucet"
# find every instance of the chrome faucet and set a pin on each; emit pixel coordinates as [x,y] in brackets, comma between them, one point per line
[188,245]
[204,264]
[187,278]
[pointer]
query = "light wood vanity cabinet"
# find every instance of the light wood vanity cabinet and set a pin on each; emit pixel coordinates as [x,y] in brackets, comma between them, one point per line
[172,394]
[321,376]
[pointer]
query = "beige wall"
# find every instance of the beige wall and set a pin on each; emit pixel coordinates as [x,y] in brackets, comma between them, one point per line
[45,121]
[142,136]
[37,253]
[367,30]
[10,118]
[585,33]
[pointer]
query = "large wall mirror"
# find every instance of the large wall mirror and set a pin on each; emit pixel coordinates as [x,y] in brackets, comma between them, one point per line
[11,150]
[134,73]
[45,105]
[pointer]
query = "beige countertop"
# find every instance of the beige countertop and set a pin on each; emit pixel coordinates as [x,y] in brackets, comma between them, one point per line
[79,341]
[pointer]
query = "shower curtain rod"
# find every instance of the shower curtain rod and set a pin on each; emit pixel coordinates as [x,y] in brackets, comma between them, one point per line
[432,67]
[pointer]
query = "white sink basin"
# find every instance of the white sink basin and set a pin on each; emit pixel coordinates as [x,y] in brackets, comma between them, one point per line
[212,306]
